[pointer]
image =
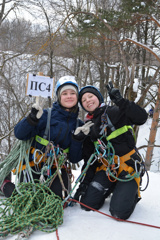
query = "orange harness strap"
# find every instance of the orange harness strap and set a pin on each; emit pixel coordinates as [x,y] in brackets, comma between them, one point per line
[32,164]
[123,166]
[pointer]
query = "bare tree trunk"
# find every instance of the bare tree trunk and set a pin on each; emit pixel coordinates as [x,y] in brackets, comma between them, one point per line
[153,132]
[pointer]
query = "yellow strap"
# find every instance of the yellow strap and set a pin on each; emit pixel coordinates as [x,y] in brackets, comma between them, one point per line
[45,143]
[118,132]
[41,140]
[66,150]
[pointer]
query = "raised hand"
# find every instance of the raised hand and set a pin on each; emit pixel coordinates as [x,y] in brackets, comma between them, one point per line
[114,93]
[35,114]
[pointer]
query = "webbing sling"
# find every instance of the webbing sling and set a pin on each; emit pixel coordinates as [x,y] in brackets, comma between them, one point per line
[44,140]
[117,133]
[45,136]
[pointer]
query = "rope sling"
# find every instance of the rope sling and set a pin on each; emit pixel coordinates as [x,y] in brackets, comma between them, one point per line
[32,205]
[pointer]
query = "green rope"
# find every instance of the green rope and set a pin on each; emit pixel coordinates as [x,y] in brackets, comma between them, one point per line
[80,177]
[19,155]
[37,207]
[12,161]
[32,205]
[109,154]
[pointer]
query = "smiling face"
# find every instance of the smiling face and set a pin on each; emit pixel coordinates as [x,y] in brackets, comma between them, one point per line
[68,98]
[90,102]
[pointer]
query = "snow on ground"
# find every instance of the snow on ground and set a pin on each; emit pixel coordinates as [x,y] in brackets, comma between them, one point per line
[82,225]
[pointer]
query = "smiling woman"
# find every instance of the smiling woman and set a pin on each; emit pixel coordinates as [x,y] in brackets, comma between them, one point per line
[67,93]
[68,98]
[90,102]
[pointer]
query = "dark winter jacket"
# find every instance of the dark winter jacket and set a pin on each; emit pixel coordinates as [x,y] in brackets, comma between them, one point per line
[126,113]
[62,124]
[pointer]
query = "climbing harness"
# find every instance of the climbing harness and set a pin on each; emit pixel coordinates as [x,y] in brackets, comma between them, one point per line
[113,164]
[106,122]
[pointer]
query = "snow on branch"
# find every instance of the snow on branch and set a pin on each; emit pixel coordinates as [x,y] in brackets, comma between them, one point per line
[141,45]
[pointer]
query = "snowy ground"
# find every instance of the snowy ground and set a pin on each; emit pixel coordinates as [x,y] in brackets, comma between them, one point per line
[81,225]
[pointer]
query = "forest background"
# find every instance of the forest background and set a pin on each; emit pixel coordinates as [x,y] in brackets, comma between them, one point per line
[95,40]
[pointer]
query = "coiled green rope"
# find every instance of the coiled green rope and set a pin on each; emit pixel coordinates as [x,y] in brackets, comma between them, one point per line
[16,155]
[37,206]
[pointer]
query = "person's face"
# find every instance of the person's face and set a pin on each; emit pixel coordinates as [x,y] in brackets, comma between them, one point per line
[68,98]
[90,102]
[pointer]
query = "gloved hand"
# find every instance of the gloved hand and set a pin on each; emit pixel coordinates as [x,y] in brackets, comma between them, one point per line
[114,93]
[7,188]
[80,191]
[35,115]
[81,132]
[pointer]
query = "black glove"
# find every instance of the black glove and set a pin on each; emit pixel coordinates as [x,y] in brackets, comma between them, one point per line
[114,93]
[7,188]
[34,116]
[80,191]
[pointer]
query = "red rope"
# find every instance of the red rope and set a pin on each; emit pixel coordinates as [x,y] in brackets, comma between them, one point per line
[118,219]
[57,234]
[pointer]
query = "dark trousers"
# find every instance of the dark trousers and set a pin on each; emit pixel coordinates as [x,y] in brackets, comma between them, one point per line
[56,186]
[124,195]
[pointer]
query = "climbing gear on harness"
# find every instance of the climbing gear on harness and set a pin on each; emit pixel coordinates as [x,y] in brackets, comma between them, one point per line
[113,165]
[47,162]
[45,142]
[106,122]
[38,155]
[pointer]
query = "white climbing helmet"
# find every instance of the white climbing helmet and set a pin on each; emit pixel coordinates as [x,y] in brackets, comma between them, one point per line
[66,80]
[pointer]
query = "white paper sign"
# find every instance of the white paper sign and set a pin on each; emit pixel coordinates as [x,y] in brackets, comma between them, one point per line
[39,86]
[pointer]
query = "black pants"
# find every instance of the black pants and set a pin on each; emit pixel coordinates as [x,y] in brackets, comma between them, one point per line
[123,200]
[56,186]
